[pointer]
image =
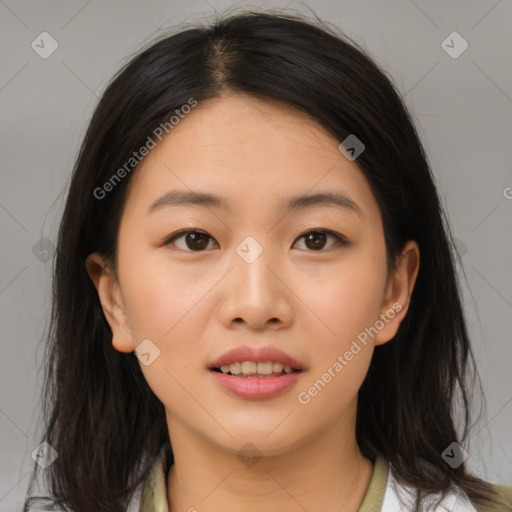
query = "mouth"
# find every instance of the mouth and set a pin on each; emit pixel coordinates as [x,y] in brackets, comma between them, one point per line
[256,372]
[256,369]
[255,380]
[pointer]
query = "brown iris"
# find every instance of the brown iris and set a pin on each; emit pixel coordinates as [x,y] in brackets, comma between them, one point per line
[196,241]
[317,239]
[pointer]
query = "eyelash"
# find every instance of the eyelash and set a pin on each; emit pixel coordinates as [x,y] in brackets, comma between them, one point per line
[340,240]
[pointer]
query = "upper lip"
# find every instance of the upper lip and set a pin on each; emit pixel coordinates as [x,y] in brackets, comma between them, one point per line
[260,354]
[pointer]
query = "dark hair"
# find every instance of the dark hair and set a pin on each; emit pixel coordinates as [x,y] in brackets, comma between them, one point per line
[100,415]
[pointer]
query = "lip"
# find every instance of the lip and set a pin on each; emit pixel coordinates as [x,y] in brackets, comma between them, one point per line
[256,387]
[260,354]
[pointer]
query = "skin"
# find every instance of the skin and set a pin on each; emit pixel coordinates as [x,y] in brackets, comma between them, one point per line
[311,303]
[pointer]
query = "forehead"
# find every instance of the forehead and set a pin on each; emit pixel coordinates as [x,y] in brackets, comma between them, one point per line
[246,149]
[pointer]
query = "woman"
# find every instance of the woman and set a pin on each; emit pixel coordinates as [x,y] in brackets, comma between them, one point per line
[256,303]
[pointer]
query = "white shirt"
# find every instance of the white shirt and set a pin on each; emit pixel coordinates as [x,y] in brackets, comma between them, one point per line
[455,501]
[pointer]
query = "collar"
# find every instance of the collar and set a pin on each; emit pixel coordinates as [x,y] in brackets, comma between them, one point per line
[384,493]
[153,494]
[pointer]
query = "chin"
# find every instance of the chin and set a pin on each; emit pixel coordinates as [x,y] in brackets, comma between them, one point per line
[247,441]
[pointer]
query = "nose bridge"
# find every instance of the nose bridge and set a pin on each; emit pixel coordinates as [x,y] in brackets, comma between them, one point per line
[252,262]
[254,292]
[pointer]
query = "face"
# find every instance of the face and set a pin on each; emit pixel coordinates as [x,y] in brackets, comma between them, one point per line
[196,280]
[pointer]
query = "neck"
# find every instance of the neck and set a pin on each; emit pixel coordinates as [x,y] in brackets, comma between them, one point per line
[322,473]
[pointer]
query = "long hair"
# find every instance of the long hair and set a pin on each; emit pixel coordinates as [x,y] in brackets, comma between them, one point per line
[100,416]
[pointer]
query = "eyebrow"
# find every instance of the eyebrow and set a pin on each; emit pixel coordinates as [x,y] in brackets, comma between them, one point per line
[301,202]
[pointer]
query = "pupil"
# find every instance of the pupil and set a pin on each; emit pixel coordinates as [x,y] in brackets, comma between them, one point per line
[314,238]
[195,237]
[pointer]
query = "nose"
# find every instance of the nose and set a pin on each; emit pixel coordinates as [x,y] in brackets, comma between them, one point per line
[257,294]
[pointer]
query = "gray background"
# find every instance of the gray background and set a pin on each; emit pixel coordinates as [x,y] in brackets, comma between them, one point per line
[463,108]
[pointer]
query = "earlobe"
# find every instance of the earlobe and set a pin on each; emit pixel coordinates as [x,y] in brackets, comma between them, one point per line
[398,292]
[111,301]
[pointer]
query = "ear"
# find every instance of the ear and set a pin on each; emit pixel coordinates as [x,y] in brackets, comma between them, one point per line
[111,301]
[398,292]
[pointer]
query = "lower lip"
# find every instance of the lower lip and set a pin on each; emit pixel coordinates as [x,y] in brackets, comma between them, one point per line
[256,387]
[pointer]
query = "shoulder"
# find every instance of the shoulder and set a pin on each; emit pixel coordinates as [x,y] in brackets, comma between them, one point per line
[399,497]
[505,493]
[151,495]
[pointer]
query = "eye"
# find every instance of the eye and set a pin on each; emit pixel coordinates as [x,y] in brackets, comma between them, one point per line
[315,239]
[195,240]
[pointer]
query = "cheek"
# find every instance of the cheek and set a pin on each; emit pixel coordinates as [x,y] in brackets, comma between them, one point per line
[164,305]
[160,296]
[349,305]
[348,299]
[168,305]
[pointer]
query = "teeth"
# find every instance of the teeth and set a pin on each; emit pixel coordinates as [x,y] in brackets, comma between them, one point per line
[249,367]
[253,367]
[234,368]
[266,368]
